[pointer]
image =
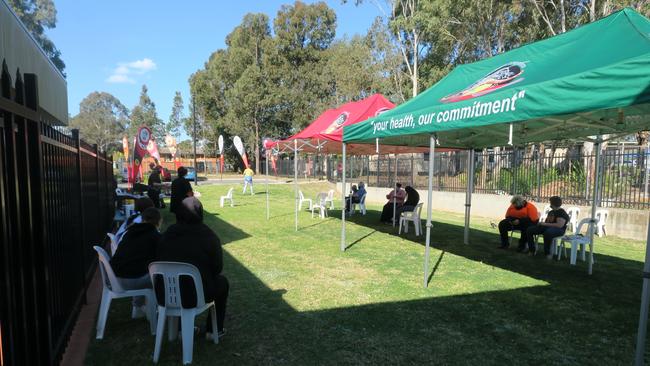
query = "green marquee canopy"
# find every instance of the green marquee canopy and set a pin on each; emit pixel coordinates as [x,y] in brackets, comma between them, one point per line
[590,81]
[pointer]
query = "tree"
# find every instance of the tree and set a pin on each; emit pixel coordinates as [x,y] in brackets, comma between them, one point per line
[176,117]
[37,16]
[101,120]
[144,114]
[404,19]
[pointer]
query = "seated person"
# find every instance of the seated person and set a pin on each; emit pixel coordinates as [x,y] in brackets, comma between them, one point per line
[520,215]
[191,241]
[137,250]
[351,198]
[140,205]
[412,200]
[181,188]
[552,227]
[394,197]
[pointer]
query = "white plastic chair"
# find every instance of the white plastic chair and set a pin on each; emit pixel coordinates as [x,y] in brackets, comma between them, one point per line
[321,205]
[573,213]
[601,218]
[578,240]
[330,198]
[362,205]
[514,231]
[173,306]
[112,289]
[227,197]
[113,243]
[412,216]
[303,199]
[542,215]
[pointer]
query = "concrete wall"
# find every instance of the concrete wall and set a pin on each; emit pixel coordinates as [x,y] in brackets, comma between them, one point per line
[629,224]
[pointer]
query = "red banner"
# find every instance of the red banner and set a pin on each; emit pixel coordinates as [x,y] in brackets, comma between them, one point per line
[140,151]
[221,164]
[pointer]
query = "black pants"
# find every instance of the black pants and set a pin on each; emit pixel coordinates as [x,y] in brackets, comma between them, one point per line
[505,226]
[154,194]
[220,296]
[354,199]
[387,212]
[549,233]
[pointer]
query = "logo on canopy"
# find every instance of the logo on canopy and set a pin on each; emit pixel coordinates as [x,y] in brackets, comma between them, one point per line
[381,110]
[505,75]
[338,122]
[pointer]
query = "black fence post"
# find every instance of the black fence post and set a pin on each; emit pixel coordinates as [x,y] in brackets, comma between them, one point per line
[412,171]
[81,217]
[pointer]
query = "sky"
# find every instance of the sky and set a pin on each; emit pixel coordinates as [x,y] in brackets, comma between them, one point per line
[115,46]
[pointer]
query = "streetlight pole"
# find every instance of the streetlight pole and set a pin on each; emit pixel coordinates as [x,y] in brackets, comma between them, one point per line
[196,172]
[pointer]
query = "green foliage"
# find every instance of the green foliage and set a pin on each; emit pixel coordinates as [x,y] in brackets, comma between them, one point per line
[37,16]
[176,117]
[144,114]
[101,120]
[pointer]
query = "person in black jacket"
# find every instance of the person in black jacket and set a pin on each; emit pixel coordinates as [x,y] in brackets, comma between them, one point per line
[191,241]
[134,254]
[155,183]
[181,189]
[412,200]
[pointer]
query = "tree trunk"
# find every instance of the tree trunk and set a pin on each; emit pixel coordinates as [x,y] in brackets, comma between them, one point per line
[414,77]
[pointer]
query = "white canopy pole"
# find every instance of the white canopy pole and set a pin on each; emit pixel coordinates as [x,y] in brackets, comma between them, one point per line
[645,302]
[395,193]
[468,194]
[295,176]
[343,203]
[594,202]
[266,179]
[432,150]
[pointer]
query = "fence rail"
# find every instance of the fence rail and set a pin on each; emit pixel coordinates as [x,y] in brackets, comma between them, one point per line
[56,201]
[567,172]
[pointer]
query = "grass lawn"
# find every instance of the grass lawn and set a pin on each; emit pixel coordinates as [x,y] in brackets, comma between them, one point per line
[296,299]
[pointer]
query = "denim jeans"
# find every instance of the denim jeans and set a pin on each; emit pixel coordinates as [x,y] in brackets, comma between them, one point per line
[549,233]
[136,284]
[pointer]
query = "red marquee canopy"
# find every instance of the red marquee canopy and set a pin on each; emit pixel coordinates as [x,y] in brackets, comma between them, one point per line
[325,133]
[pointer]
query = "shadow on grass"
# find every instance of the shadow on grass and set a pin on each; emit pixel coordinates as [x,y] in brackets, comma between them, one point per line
[483,248]
[359,240]
[435,267]
[572,319]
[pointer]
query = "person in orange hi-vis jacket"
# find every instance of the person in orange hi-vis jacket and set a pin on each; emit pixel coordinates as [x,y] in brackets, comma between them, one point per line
[520,215]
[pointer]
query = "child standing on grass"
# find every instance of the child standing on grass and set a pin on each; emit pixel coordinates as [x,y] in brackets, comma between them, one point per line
[248,179]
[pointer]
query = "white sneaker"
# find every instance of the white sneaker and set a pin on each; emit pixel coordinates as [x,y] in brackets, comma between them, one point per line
[138,312]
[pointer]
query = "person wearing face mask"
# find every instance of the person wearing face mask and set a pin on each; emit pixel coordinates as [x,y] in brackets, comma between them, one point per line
[134,254]
[520,215]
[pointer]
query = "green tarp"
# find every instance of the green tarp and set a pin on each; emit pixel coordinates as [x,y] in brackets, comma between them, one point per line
[592,80]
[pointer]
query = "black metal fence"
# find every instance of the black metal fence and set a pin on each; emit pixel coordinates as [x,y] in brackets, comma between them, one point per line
[56,198]
[567,172]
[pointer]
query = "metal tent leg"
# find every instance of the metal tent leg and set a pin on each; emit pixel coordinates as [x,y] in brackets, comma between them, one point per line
[343,240]
[468,194]
[432,150]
